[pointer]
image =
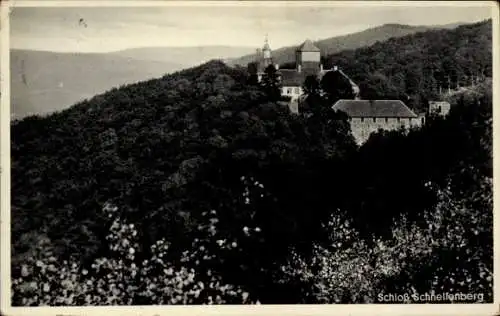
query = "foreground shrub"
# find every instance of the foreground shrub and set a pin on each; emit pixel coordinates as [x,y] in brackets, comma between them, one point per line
[119,279]
[450,253]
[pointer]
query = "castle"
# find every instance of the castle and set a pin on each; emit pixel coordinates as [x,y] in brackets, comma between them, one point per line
[365,116]
[307,62]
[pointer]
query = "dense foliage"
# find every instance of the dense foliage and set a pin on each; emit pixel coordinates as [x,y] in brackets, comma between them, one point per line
[202,187]
[413,67]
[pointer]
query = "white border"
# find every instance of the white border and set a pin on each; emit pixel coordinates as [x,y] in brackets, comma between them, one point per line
[368,309]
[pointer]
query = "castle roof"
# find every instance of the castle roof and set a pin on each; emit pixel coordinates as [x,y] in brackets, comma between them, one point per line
[374,108]
[308,46]
[293,78]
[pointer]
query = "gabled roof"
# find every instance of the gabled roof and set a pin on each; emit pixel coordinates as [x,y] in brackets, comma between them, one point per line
[374,108]
[293,78]
[308,46]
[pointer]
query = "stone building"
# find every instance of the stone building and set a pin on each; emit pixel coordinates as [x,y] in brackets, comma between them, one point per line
[368,116]
[439,108]
[307,62]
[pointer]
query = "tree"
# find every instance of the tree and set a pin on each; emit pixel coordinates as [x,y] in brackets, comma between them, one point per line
[253,76]
[312,95]
[377,86]
[336,87]
[271,83]
[311,85]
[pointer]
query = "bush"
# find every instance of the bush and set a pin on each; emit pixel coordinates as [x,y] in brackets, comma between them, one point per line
[119,279]
[411,261]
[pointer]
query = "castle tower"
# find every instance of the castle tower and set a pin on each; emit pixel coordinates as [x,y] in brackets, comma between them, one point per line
[266,54]
[308,56]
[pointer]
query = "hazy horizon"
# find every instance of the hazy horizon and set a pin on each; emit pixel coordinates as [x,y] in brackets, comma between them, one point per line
[226,45]
[111,29]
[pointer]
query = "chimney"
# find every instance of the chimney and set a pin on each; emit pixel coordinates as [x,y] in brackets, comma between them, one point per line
[335,68]
[299,68]
[321,67]
[277,66]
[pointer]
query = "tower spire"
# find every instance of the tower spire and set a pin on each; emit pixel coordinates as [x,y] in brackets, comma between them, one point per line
[266,50]
[266,43]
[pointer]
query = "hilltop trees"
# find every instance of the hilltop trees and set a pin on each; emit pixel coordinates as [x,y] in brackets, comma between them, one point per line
[377,86]
[418,64]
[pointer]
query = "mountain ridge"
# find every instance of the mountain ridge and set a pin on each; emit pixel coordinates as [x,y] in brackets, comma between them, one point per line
[191,55]
[59,79]
[354,40]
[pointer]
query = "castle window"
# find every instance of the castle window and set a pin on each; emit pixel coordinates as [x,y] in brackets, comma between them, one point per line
[289,91]
[386,120]
[423,120]
[362,119]
[439,109]
[399,119]
[296,90]
[374,120]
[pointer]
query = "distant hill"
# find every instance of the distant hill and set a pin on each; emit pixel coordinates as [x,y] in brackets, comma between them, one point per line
[43,82]
[350,41]
[191,56]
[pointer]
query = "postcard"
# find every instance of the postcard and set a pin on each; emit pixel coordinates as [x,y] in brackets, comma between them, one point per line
[248,157]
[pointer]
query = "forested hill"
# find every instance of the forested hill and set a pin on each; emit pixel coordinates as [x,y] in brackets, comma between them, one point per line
[416,65]
[145,147]
[350,41]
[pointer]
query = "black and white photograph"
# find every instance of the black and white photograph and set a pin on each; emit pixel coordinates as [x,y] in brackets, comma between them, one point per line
[249,153]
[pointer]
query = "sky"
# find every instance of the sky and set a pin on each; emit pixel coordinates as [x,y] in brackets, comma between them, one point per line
[104,29]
